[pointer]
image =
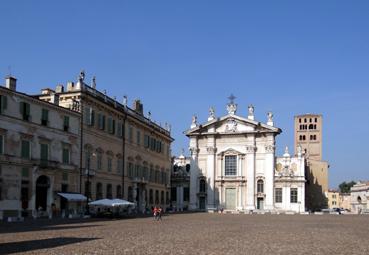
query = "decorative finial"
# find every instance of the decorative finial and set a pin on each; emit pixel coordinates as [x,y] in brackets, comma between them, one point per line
[125,101]
[115,101]
[82,75]
[94,82]
[149,115]
[299,150]
[211,114]
[270,119]
[194,121]
[251,112]
[231,107]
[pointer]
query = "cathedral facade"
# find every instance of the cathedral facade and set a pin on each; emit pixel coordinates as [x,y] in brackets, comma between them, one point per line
[234,167]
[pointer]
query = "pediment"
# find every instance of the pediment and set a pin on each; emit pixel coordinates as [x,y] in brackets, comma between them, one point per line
[230,151]
[232,124]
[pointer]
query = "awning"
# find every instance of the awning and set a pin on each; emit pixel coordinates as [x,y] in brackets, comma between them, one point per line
[73,197]
[111,202]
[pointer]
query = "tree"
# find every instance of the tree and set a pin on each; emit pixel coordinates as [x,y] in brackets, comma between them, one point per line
[346,186]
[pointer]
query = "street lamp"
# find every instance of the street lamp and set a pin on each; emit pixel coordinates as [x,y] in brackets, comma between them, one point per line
[88,188]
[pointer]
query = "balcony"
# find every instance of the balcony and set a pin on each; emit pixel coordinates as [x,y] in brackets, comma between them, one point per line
[42,163]
[139,180]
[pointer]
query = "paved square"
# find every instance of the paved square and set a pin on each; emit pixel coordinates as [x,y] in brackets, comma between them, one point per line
[197,233]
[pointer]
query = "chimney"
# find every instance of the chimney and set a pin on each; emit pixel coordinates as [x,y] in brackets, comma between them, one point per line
[47,91]
[11,83]
[70,86]
[54,99]
[59,88]
[137,106]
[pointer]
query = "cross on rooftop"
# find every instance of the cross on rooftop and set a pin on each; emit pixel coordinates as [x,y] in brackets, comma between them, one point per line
[231,98]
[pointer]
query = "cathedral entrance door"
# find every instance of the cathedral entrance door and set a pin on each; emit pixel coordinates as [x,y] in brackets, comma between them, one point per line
[260,203]
[230,202]
[202,203]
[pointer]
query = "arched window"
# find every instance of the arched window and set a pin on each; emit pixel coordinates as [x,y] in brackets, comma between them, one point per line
[109,191]
[119,191]
[202,186]
[311,126]
[260,186]
[99,192]
[359,199]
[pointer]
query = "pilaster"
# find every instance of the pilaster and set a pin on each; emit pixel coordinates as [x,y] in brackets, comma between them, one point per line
[250,177]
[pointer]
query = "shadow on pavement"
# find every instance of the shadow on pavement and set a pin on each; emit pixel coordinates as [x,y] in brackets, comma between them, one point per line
[25,246]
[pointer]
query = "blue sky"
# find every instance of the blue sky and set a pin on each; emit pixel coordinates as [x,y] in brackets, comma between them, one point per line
[181,57]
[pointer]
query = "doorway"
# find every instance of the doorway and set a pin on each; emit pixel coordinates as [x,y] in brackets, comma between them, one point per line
[230,199]
[260,203]
[42,186]
[202,202]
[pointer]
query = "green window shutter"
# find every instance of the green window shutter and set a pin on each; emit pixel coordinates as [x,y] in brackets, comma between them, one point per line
[88,116]
[28,109]
[21,108]
[1,144]
[92,117]
[44,117]
[66,123]
[65,155]
[3,103]
[119,129]
[99,120]
[25,153]
[45,114]
[44,152]
[103,122]
[110,128]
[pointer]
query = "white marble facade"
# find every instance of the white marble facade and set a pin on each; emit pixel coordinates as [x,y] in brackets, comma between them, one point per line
[233,164]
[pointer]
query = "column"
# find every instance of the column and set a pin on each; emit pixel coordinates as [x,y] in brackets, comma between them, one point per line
[210,177]
[32,203]
[134,194]
[50,197]
[301,197]
[194,176]
[178,195]
[181,198]
[250,177]
[269,177]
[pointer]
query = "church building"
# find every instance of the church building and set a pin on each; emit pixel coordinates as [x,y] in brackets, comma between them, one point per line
[234,166]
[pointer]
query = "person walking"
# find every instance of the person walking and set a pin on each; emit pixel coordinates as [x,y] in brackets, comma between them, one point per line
[155,213]
[160,211]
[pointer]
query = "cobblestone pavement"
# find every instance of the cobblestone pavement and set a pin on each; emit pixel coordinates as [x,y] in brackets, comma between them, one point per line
[197,233]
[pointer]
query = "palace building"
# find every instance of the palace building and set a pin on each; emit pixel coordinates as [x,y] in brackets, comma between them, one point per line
[234,166]
[125,154]
[39,155]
